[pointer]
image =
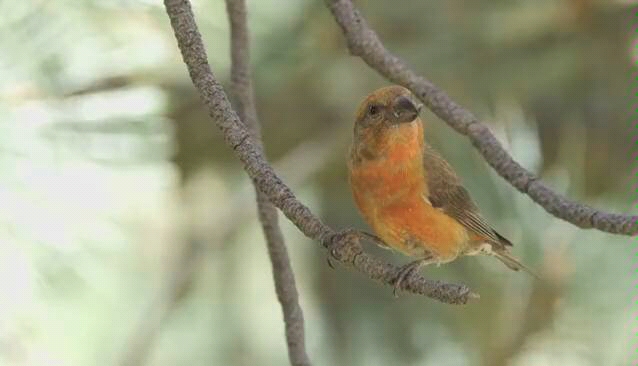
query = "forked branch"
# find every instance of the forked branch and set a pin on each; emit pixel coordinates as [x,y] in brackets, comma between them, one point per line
[344,246]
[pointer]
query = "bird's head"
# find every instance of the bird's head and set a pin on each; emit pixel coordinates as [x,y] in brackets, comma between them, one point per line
[387,114]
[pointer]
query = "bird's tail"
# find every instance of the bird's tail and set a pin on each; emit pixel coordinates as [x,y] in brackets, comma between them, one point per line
[511,262]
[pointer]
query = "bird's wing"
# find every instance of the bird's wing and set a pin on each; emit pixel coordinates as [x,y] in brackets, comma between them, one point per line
[447,193]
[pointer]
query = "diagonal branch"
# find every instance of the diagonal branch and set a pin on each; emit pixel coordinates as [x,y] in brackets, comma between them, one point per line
[364,42]
[343,246]
[283,275]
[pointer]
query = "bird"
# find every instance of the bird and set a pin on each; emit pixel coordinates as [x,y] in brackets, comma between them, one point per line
[409,194]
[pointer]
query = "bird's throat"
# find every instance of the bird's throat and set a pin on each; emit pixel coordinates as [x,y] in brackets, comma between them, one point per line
[396,144]
[403,145]
[395,170]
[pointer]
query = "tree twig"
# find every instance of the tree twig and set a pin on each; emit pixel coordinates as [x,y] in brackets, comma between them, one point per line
[364,42]
[283,274]
[343,246]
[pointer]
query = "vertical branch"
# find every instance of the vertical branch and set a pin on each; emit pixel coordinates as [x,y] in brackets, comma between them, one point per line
[282,270]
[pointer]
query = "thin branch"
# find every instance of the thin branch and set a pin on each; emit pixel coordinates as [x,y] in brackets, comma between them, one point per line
[283,274]
[364,42]
[344,246]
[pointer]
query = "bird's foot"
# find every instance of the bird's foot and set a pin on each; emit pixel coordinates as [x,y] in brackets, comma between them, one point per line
[406,271]
[344,244]
[344,239]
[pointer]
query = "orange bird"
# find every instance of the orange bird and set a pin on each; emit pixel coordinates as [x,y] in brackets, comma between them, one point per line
[407,192]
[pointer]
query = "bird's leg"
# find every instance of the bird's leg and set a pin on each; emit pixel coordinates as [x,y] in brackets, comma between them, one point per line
[361,235]
[408,270]
[374,239]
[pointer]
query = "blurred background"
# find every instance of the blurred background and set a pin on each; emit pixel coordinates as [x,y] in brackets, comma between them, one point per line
[128,232]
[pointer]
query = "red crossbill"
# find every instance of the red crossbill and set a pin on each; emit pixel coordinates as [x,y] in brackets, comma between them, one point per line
[408,194]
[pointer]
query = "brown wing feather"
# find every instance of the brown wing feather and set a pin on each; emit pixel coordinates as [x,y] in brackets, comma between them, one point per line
[447,193]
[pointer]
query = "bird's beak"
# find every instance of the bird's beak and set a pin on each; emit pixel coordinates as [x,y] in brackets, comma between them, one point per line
[404,110]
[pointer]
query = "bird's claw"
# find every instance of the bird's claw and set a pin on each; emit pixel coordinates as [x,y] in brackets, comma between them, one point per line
[344,238]
[341,243]
[403,273]
[406,272]
[329,262]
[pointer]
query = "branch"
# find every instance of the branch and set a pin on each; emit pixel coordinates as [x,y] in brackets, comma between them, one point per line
[283,274]
[343,246]
[364,42]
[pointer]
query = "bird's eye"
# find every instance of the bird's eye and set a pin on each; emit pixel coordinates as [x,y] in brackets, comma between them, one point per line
[373,109]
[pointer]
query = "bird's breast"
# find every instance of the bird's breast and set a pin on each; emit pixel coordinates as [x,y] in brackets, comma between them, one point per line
[391,194]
